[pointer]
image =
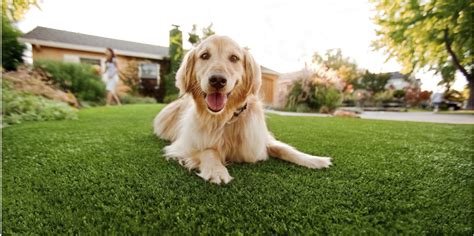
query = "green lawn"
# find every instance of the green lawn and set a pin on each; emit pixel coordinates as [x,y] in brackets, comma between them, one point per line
[105,173]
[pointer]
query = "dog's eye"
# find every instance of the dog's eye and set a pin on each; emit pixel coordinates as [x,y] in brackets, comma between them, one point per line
[205,56]
[234,58]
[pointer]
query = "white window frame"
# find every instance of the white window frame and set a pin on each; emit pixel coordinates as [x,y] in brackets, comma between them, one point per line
[157,71]
[74,58]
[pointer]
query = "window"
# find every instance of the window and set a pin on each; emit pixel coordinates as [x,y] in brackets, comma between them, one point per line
[149,71]
[90,61]
[71,58]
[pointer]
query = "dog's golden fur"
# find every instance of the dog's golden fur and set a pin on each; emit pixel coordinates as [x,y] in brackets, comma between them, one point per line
[205,139]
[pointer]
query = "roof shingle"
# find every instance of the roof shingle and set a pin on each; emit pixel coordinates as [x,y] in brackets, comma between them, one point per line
[61,36]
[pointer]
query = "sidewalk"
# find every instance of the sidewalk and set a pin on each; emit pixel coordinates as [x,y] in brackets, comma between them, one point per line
[397,116]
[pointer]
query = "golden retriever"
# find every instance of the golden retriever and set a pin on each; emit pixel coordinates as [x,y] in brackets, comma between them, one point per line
[218,118]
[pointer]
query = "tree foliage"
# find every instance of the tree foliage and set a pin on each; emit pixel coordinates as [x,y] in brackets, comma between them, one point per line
[195,38]
[129,76]
[430,34]
[12,50]
[176,56]
[16,9]
[346,67]
[374,82]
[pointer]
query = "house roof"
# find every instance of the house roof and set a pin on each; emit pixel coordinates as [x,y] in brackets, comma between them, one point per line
[397,75]
[268,71]
[72,40]
[85,42]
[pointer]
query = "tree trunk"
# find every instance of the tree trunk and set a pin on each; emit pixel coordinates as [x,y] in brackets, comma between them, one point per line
[470,100]
[457,64]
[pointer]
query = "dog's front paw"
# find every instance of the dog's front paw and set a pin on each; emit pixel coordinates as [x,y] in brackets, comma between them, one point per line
[215,174]
[314,162]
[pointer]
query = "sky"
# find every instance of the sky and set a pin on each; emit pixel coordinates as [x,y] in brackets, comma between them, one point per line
[281,34]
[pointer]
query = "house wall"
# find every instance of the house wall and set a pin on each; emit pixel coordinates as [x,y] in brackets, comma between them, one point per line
[148,87]
[268,88]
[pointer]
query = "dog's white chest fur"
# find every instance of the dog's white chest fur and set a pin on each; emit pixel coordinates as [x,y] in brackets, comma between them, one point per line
[240,141]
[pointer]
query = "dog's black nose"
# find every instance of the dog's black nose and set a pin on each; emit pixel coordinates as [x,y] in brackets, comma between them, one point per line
[217,81]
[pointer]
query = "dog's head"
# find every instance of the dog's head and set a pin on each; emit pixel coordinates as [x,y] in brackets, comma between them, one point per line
[219,74]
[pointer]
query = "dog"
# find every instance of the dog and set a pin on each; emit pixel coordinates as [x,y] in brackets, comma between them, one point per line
[219,118]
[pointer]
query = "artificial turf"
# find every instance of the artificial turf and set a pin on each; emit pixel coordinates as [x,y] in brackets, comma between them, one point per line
[105,173]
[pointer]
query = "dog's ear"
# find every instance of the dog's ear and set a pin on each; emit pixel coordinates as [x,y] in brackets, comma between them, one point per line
[185,75]
[252,74]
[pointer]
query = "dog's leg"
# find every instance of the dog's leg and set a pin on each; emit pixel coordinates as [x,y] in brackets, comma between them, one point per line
[288,153]
[211,167]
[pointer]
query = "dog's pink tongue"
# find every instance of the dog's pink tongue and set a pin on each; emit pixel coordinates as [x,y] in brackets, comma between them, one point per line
[216,101]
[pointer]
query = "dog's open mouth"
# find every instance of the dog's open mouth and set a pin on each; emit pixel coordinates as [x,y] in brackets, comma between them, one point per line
[216,101]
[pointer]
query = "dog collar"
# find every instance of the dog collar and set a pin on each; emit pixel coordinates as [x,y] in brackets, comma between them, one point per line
[237,113]
[240,110]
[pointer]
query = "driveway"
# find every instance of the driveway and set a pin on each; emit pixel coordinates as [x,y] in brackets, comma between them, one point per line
[398,116]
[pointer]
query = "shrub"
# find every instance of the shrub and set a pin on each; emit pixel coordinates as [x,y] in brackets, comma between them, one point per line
[303,107]
[80,79]
[321,97]
[325,98]
[19,107]
[349,99]
[399,93]
[129,76]
[12,50]
[130,99]
[170,98]
[385,96]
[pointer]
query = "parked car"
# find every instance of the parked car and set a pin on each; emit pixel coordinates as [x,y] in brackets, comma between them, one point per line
[450,105]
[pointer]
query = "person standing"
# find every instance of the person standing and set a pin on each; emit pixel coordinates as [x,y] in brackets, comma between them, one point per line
[436,100]
[111,75]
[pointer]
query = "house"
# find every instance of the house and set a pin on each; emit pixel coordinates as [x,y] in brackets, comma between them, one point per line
[153,61]
[399,81]
[268,90]
[53,44]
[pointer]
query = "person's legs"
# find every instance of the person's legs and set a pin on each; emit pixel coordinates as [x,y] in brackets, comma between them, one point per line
[109,98]
[116,98]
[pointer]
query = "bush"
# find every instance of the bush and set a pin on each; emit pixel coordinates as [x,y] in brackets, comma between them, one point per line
[170,98]
[129,99]
[12,50]
[80,79]
[19,107]
[303,107]
[325,98]
[399,93]
[321,97]
[385,96]
[129,76]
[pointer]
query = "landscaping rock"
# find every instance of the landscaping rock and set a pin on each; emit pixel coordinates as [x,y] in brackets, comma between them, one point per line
[342,113]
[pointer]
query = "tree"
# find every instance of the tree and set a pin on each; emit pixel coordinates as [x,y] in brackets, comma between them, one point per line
[176,56]
[12,50]
[14,10]
[207,31]
[428,34]
[374,82]
[194,37]
[346,67]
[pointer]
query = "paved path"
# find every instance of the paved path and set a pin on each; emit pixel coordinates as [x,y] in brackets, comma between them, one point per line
[398,116]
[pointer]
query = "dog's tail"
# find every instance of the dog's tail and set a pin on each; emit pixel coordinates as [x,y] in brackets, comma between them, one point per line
[165,124]
[288,153]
